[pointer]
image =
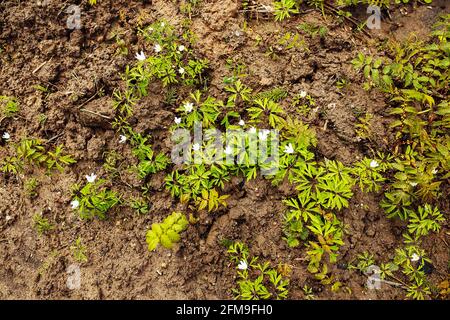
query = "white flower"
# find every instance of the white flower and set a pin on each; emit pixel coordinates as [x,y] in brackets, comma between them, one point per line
[140,56]
[6,136]
[188,107]
[228,150]
[252,130]
[241,123]
[181,70]
[195,147]
[242,265]
[415,257]
[181,48]
[157,48]
[289,149]
[91,178]
[263,135]
[163,24]
[303,94]
[413,184]
[374,164]
[74,204]
[122,139]
[434,171]
[177,120]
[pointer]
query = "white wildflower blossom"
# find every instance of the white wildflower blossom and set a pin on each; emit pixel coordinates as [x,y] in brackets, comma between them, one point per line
[177,120]
[195,147]
[303,94]
[75,204]
[158,48]
[122,138]
[6,136]
[188,107]
[263,135]
[241,123]
[228,150]
[181,48]
[374,164]
[140,56]
[242,265]
[415,257]
[289,149]
[91,178]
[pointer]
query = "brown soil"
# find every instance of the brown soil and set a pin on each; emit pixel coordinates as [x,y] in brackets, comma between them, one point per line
[77,64]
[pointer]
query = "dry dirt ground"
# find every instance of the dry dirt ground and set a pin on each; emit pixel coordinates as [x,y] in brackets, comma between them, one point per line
[76,64]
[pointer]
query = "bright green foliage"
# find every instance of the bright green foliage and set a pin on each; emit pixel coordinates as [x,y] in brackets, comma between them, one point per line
[206,111]
[368,176]
[295,219]
[256,281]
[239,92]
[57,160]
[172,62]
[33,152]
[427,219]
[269,108]
[330,189]
[79,251]
[198,184]
[284,9]
[168,232]
[211,200]
[414,270]
[95,199]
[148,162]
[329,239]
[9,107]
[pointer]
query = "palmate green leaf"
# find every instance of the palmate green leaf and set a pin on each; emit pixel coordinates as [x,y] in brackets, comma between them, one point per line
[167,232]
[333,192]
[152,240]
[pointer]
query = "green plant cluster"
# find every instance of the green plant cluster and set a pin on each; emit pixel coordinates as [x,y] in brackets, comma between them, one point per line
[149,163]
[415,76]
[256,281]
[172,61]
[284,9]
[9,106]
[94,199]
[416,80]
[168,232]
[33,152]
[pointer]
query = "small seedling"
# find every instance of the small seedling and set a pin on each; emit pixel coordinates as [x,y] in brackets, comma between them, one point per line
[41,224]
[79,251]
